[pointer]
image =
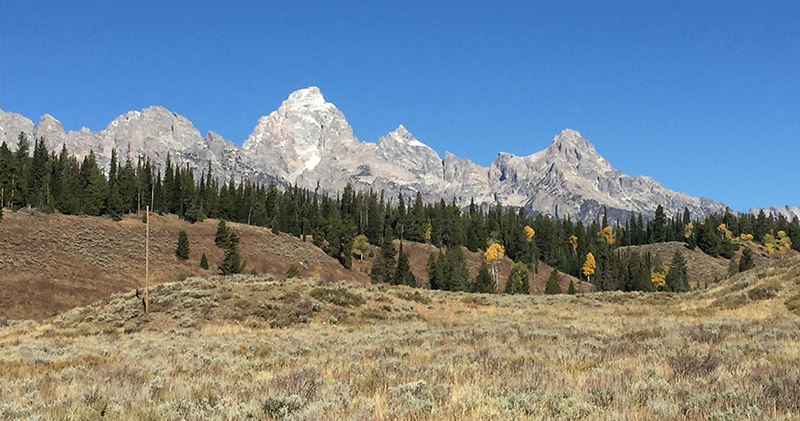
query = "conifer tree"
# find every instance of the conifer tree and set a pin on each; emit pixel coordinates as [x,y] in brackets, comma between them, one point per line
[436,271]
[384,265]
[746,261]
[677,279]
[484,283]
[733,267]
[94,186]
[182,247]
[518,279]
[552,286]
[204,262]
[403,275]
[571,289]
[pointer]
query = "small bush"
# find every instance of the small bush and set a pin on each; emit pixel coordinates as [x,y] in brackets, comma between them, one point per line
[793,304]
[277,407]
[292,272]
[685,365]
[374,313]
[340,297]
[764,292]
[415,296]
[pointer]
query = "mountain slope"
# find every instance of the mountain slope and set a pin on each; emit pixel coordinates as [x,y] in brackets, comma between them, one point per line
[307,141]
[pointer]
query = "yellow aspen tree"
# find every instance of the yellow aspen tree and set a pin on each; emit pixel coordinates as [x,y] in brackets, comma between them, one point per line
[748,238]
[722,228]
[608,234]
[529,232]
[783,242]
[769,243]
[687,230]
[574,241]
[494,253]
[589,265]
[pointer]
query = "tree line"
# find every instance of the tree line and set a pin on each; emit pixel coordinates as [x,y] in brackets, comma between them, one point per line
[50,181]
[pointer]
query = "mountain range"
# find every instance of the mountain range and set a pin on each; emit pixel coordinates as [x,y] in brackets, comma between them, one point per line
[307,141]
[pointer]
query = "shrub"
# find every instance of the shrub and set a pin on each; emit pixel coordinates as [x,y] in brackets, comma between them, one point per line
[340,297]
[415,296]
[764,292]
[685,365]
[277,407]
[204,262]
[292,272]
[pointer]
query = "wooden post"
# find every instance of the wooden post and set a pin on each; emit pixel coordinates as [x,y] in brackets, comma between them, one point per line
[147,263]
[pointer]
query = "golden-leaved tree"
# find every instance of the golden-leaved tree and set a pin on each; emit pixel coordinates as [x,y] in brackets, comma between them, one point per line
[494,253]
[574,241]
[608,234]
[589,265]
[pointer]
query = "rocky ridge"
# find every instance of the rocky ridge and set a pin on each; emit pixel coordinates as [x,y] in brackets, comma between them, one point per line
[307,141]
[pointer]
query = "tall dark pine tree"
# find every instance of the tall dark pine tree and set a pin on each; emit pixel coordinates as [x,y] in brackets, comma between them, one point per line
[94,186]
[38,180]
[484,283]
[182,248]
[403,275]
[659,226]
[384,266]
[746,261]
[552,286]
[677,277]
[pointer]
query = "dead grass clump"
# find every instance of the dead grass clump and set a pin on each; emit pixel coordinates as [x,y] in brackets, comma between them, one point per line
[373,314]
[764,292]
[415,296]
[340,297]
[707,333]
[475,300]
[686,365]
[793,304]
[643,334]
[782,388]
[732,301]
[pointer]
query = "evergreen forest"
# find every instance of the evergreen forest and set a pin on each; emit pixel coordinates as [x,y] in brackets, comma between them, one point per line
[48,181]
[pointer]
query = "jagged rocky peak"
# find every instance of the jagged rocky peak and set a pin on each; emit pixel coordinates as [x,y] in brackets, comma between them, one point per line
[402,148]
[570,149]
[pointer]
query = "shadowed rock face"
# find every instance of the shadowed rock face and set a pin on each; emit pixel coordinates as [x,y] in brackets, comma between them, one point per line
[308,141]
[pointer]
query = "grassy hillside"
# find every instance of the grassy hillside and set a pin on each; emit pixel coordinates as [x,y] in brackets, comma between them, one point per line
[52,263]
[230,348]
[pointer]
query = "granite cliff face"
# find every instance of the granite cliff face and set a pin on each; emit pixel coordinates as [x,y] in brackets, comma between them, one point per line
[307,141]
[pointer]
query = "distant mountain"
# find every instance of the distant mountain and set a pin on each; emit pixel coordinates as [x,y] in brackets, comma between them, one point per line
[788,211]
[307,141]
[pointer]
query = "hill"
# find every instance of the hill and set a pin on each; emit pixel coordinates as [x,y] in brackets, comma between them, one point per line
[51,263]
[259,347]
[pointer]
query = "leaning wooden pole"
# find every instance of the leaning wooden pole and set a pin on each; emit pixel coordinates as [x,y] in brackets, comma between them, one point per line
[147,263]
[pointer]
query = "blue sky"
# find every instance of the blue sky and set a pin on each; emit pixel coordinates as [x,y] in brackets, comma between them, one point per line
[702,96]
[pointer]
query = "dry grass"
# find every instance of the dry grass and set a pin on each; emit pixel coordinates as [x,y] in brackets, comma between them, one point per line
[51,263]
[265,348]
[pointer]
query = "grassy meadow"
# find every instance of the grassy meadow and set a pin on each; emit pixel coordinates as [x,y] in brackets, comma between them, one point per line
[262,348]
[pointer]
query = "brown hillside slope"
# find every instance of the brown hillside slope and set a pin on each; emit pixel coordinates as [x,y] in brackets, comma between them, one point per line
[51,263]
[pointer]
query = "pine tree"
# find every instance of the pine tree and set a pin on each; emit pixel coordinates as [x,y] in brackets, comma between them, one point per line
[436,271]
[403,275]
[484,283]
[552,286]
[204,262]
[182,248]
[677,279]
[659,229]
[746,261]
[571,289]
[384,266]
[518,279]
[222,234]
[733,267]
